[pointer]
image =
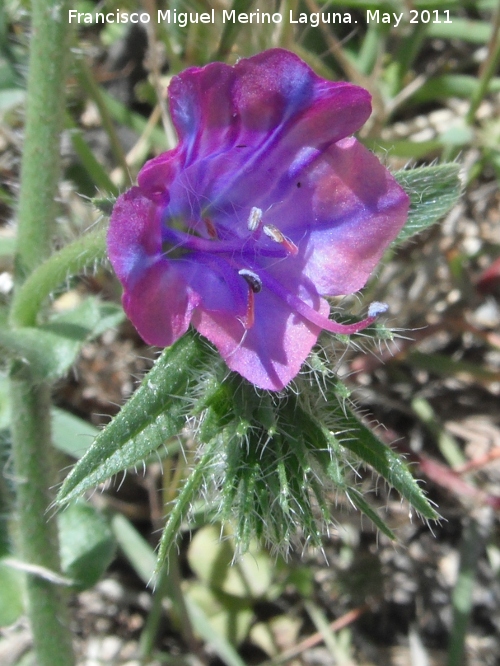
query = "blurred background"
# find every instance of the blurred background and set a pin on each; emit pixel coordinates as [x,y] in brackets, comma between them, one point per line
[433,392]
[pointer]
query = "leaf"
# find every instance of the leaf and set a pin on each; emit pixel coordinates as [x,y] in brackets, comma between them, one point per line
[71,434]
[432,191]
[405,147]
[91,164]
[452,85]
[219,644]
[232,28]
[365,445]
[11,599]
[51,349]
[211,557]
[229,617]
[87,544]
[155,413]
[135,548]
[360,503]
[142,557]
[7,245]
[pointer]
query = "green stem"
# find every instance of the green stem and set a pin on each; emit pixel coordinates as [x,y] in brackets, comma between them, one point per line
[95,170]
[71,260]
[488,69]
[88,83]
[474,536]
[186,496]
[44,117]
[37,536]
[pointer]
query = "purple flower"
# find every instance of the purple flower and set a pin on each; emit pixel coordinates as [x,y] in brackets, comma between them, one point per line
[266,206]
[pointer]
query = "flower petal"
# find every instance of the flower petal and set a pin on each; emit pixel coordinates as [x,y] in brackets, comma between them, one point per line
[342,212]
[156,297]
[242,127]
[159,304]
[134,235]
[271,353]
[266,138]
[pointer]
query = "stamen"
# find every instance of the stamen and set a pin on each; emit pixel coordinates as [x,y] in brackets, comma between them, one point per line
[309,313]
[212,231]
[252,279]
[377,308]
[249,319]
[188,242]
[254,219]
[250,316]
[275,234]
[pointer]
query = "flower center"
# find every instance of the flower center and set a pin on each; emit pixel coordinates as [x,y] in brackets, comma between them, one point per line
[242,253]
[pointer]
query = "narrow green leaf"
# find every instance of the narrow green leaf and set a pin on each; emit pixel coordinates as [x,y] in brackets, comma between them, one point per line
[51,349]
[183,501]
[232,28]
[444,366]
[360,503]
[155,413]
[71,434]
[405,147]
[136,549]
[124,116]
[452,85]
[475,32]
[220,645]
[86,543]
[142,558]
[475,535]
[432,191]
[11,600]
[94,168]
[365,445]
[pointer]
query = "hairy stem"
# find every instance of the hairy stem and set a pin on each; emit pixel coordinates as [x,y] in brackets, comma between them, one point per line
[44,117]
[37,535]
[70,260]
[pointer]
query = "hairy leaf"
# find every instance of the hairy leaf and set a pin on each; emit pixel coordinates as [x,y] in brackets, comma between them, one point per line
[363,442]
[433,191]
[154,414]
[51,349]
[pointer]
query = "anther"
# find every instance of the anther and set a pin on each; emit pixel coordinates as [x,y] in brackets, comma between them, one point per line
[376,308]
[212,231]
[254,219]
[275,234]
[252,279]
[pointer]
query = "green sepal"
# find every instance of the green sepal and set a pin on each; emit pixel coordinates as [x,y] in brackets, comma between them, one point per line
[363,442]
[155,413]
[356,498]
[104,205]
[433,191]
